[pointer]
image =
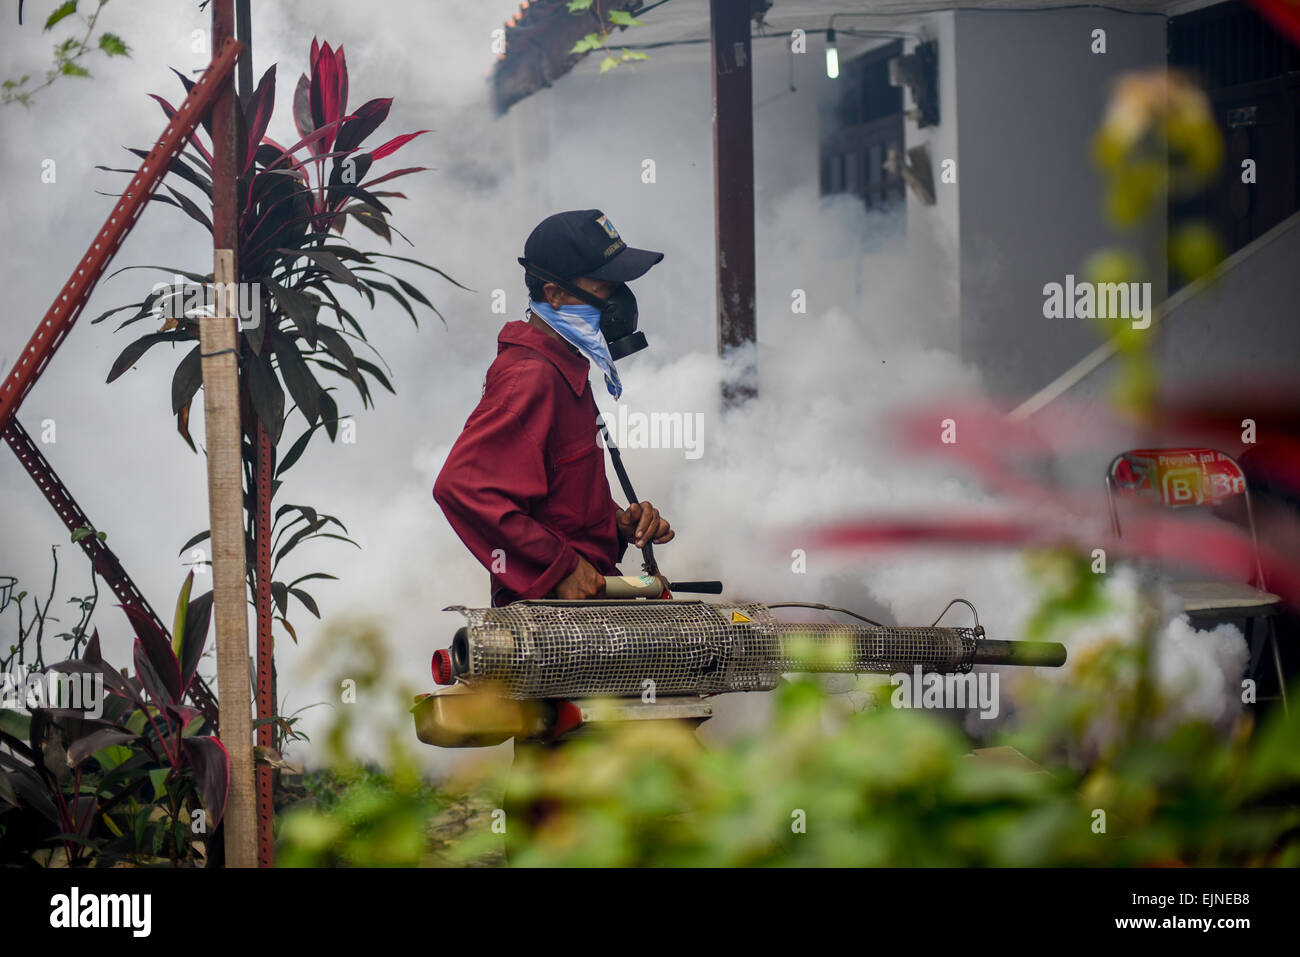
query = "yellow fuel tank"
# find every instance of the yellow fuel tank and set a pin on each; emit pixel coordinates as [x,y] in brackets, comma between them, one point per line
[464,717]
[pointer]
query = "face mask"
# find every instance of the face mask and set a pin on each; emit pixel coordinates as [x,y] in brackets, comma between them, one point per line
[580,326]
[618,313]
[618,323]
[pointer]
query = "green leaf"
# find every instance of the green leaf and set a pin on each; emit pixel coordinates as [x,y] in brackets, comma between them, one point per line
[590,42]
[73,69]
[112,756]
[131,354]
[621,18]
[634,55]
[298,536]
[137,721]
[61,11]
[113,45]
[385,288]
[422,265]
[370,367]
[361,386]
[329,411]
[182,607]
[306,599]
[83,748]
[141,822]
[575,6]
[296,450]
[186,380]
[328,262]
[313,575]
[608,64]
[280,595]
[415,293]
[301,383]
[194,541]
[75,839]
[19,725]
[300,308]
[267,395]
[157,777]
[338,347]
[1195,249]
[370,219]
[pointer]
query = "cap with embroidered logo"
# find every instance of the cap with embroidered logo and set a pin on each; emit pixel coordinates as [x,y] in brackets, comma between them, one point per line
[583,242]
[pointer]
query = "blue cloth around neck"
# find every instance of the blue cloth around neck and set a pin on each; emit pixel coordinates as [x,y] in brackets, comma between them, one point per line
[579,325]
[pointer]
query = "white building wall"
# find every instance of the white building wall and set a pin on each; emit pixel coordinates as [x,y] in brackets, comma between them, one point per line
[1030,94]
[933,231]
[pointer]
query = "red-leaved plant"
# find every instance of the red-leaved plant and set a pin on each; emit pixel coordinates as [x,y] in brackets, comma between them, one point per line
[144,779]
[295,204]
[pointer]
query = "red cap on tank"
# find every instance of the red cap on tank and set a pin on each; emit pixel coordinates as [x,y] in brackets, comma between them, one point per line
[442,666]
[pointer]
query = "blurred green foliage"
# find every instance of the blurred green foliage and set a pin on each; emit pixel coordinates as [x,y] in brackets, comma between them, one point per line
[69,53]
[827,785]
[901,788]
[360,816]
[1157,142]
[355,812]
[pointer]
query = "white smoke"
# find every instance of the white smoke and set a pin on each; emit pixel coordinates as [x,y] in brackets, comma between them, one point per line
[878,333]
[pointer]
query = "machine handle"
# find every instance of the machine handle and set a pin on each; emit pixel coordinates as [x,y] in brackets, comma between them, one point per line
[633,586]
[697,588]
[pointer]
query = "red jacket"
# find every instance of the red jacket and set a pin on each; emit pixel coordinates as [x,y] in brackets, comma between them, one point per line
[524,486]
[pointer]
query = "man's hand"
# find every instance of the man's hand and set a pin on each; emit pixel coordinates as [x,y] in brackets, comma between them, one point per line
[640,523]
[583,582]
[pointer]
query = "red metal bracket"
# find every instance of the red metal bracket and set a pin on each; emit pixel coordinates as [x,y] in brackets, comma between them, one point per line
[63,313]
[265,648]
[72,297]
[101,556]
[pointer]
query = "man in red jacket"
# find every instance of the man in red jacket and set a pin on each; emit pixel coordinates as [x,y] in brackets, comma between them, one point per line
[524,486]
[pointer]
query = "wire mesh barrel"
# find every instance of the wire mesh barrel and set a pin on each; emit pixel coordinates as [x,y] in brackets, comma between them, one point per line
[558,649]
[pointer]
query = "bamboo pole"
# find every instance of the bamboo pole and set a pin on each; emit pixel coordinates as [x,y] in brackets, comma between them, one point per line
[226,515]
[220,351]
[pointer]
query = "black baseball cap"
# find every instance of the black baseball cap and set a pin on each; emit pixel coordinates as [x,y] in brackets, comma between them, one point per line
[583,242]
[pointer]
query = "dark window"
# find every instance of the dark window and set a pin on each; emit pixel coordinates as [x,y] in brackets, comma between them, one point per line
[1252,77]
[862,123]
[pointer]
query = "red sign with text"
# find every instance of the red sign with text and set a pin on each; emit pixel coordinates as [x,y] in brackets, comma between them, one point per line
[1178,477]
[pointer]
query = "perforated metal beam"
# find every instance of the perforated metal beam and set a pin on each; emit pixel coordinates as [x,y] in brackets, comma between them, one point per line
[102,558]
[62,315]
[67,306]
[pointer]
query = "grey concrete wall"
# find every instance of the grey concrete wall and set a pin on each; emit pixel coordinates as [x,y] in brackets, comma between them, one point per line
[1244,326]
[1030,96]
[933,231]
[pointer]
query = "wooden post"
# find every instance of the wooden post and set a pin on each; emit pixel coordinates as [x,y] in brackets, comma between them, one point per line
[230,596]
[219,351]
[733,187]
